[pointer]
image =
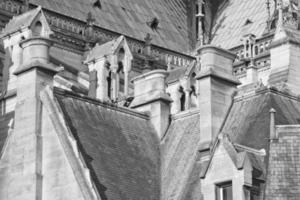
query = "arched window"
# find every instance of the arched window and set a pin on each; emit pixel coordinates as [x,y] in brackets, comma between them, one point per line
[121,55]
[120,72]
[37,29]
[193,97]
[182,99]
[108,79]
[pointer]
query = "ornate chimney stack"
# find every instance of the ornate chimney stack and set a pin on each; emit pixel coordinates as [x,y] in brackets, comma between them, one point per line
[33,74]
[216,86]
[150,96]
[24,26]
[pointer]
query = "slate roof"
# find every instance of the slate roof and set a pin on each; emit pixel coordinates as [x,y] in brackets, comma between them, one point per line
[4,127]
[254,111]
[179,155]
[130,18]
[230,23]
[119,146]
[283,181]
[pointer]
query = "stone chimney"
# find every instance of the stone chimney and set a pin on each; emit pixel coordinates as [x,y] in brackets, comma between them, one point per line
[150,96]
[216,86]
[24,26]
[25,146]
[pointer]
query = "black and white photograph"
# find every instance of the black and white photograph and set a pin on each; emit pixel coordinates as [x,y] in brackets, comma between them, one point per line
[149,99]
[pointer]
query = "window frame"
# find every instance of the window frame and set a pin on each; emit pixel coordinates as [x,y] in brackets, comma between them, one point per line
[219,188]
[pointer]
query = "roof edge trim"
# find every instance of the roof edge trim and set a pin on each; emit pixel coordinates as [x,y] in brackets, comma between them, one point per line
[69,145]
[66,93]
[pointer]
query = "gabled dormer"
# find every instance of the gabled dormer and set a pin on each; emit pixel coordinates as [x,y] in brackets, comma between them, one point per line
[112,63]
[29,24]
[233,172]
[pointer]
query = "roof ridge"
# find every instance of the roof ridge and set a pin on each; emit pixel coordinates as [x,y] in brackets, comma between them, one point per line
[66,93]
[265,90]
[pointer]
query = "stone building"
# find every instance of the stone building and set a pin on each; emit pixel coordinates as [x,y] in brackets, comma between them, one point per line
[150,99]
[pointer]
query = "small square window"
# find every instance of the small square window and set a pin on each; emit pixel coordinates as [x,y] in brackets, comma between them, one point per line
[224,191]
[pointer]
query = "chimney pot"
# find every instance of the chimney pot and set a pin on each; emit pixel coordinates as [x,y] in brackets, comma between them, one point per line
[36,49]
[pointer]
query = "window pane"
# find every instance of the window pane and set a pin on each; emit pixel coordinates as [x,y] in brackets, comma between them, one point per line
[227,192]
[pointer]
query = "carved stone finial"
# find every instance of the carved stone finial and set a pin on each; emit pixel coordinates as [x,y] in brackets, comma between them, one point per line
[148,40]
[90,20]
[268,9]
[280,14]
[89,32]
[200,16]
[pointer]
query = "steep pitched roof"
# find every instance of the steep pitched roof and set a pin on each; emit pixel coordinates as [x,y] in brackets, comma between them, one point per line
[231,24]
[283,179]
[255,112]
[179,155]
[119,146]
[131,17]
